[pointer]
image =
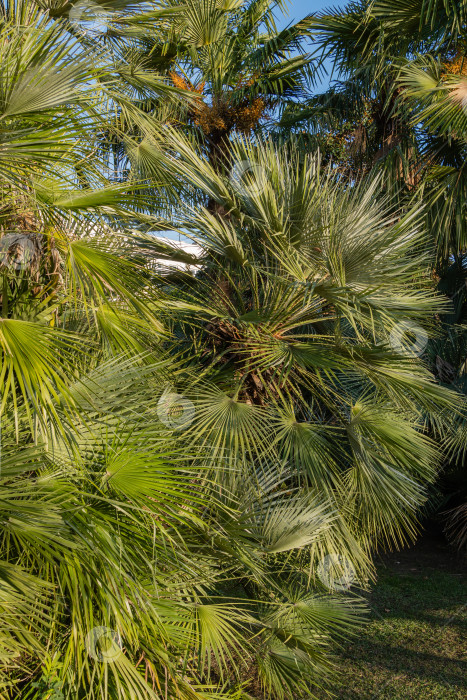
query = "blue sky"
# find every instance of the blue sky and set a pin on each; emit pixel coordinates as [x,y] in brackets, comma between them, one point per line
[299,9]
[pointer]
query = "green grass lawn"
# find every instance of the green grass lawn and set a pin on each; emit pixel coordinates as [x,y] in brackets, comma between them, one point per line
[415,645]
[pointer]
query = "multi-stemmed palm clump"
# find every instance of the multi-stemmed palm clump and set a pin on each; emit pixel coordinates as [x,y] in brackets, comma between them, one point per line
[293,314]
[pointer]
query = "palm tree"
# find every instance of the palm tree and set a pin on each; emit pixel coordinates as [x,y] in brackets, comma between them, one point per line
[70,280]
[124,568]
[399,106]
[301,290]
[359,121]
[243,76]
[232,70]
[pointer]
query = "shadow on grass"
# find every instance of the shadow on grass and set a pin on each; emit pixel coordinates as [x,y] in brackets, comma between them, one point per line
[420,664]
[414,646]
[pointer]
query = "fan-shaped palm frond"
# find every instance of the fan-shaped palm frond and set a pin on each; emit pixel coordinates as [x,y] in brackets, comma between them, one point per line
[147,577]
